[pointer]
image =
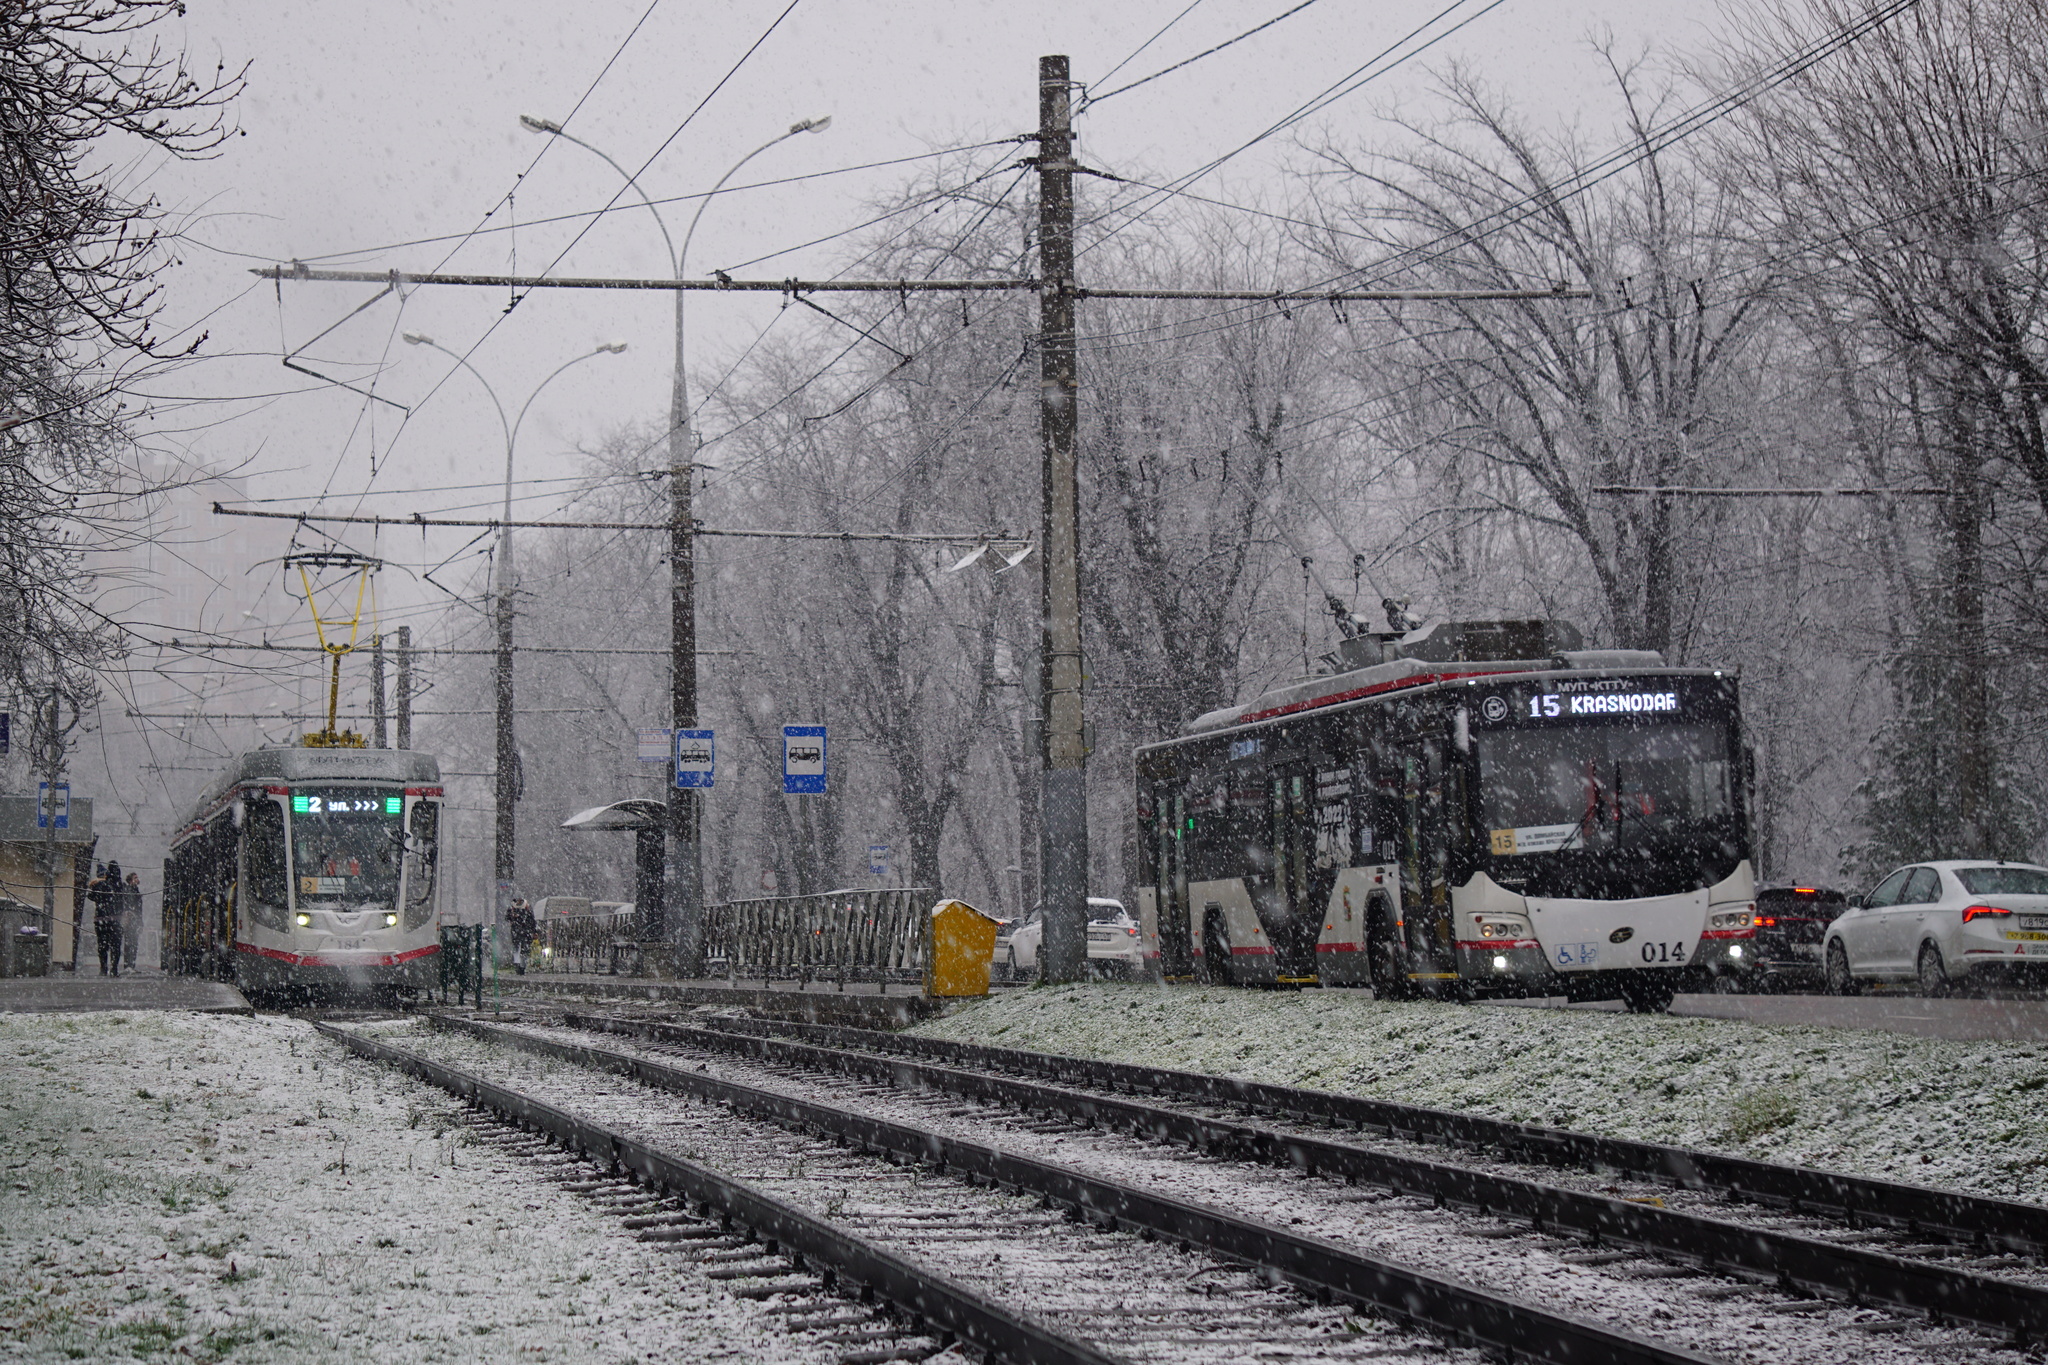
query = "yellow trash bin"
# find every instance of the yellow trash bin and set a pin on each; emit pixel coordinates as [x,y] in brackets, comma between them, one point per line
[963,946]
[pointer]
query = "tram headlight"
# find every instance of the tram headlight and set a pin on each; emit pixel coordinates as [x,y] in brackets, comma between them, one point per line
[1503,928]
[303,920]
[1500,962]
[1731,919]
[390,921]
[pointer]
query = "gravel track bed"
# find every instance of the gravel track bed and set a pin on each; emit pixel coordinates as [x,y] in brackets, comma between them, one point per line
[1142,1300]
[1712,1314]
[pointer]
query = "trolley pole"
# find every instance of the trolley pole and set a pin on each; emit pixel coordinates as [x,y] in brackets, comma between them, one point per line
[1063,791]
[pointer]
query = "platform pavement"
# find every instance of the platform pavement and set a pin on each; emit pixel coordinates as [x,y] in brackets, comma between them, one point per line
[862,1004]
[86,992]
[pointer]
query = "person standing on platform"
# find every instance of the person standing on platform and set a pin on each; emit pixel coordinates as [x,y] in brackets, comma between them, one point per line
[520,925]
[105,896]
[131,918]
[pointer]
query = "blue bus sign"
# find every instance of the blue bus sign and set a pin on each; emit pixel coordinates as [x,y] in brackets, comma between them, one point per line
[803,760]
[696,758]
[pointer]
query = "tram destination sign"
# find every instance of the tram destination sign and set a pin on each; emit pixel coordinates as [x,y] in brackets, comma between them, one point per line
[316,805]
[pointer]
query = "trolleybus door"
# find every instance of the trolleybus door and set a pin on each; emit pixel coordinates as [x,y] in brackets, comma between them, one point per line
[1293,918]
[1169,823]
[1426,834]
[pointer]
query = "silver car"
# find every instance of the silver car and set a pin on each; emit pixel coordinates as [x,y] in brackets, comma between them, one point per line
[1115,945]
[1942,924]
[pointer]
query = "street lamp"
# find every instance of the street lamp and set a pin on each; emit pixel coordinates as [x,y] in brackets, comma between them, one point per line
[505,856]
[679,892]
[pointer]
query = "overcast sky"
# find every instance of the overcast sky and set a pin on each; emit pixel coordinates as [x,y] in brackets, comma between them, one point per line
[379,133]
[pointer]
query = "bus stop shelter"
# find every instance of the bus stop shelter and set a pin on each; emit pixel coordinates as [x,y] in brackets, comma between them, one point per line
[23,847]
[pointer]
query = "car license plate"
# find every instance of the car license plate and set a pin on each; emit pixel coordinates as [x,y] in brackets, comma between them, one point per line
[2034,921]
[2029,935]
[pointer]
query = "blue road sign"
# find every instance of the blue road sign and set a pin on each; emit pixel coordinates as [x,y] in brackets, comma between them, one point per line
[803,760]
[878,860]
[696,758]
[5,722]
[53,811]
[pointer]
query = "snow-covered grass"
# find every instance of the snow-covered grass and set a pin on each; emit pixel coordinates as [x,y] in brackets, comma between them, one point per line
[183,1187]
[1967,1115]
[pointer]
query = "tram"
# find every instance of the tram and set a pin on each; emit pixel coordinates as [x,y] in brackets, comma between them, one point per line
[1470,808]
[310,870]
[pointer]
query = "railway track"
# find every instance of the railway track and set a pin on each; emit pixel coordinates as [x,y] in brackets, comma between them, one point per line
[1909,1274]
[1983,1224]
[1115,1271]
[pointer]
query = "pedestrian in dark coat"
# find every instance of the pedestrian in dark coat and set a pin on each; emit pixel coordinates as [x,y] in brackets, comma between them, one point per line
[105,895]
[520,925]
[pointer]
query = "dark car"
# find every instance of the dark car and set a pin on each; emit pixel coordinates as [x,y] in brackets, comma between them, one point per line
[1791,922]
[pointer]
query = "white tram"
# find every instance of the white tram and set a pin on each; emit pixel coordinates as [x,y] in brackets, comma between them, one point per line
[1482,808]
[310,869]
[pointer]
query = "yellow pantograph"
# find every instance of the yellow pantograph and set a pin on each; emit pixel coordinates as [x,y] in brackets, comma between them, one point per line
[331,738]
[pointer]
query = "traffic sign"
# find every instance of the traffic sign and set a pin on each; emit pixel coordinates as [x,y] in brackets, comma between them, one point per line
[803,760]
[651,746]
[53,812]
[5,721]
[696,757]
[878,860]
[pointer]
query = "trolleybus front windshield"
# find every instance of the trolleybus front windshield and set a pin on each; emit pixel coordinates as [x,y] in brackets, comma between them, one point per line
[1602,786]
[346,845]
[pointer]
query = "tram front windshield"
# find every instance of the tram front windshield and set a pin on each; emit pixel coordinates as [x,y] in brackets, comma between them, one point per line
[346,847]
[1603,786]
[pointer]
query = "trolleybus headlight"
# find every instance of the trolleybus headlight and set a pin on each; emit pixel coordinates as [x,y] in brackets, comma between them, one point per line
[304,921]
[390,921]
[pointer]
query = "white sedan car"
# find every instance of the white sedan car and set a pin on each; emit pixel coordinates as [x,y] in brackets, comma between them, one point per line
[1942,924]
[1115,947]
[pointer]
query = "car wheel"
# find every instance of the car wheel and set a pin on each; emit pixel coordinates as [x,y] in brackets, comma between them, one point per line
[1385,961]
[1840,981]
[1217,967]
[1934,980]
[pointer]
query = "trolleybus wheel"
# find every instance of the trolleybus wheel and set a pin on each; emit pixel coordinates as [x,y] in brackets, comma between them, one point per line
[1840,982]
[1217,967]
[1385,960]
[1934,980]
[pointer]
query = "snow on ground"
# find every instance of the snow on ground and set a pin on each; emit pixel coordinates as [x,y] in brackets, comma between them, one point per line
[213,1188]
[1966,1115]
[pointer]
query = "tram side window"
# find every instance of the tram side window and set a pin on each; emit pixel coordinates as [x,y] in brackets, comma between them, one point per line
[263,826]
[420,853]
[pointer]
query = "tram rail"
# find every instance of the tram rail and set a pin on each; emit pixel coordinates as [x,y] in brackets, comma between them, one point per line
[1461,1313]
[1812,1265]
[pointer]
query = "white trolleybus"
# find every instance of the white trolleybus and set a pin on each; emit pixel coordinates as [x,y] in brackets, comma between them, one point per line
[1482,809]
[310,870]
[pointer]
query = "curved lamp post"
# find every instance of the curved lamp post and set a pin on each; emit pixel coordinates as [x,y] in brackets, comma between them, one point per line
[505,855]
[683,923]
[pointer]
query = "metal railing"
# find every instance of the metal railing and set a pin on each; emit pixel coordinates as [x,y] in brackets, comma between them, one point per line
[879,936]
[583,943]
[462,963]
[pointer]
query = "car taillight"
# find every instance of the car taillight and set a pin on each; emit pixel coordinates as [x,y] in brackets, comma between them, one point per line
[1768,921]
[1132,932]
[1971,912]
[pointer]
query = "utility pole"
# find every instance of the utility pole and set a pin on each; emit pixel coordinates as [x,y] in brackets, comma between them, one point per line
[378,735]
[1063,790]
[404,687]
[505,845]
[54,753]
[678,918]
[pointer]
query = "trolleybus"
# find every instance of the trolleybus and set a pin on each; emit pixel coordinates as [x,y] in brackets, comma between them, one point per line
[1487,809]
[309,869]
